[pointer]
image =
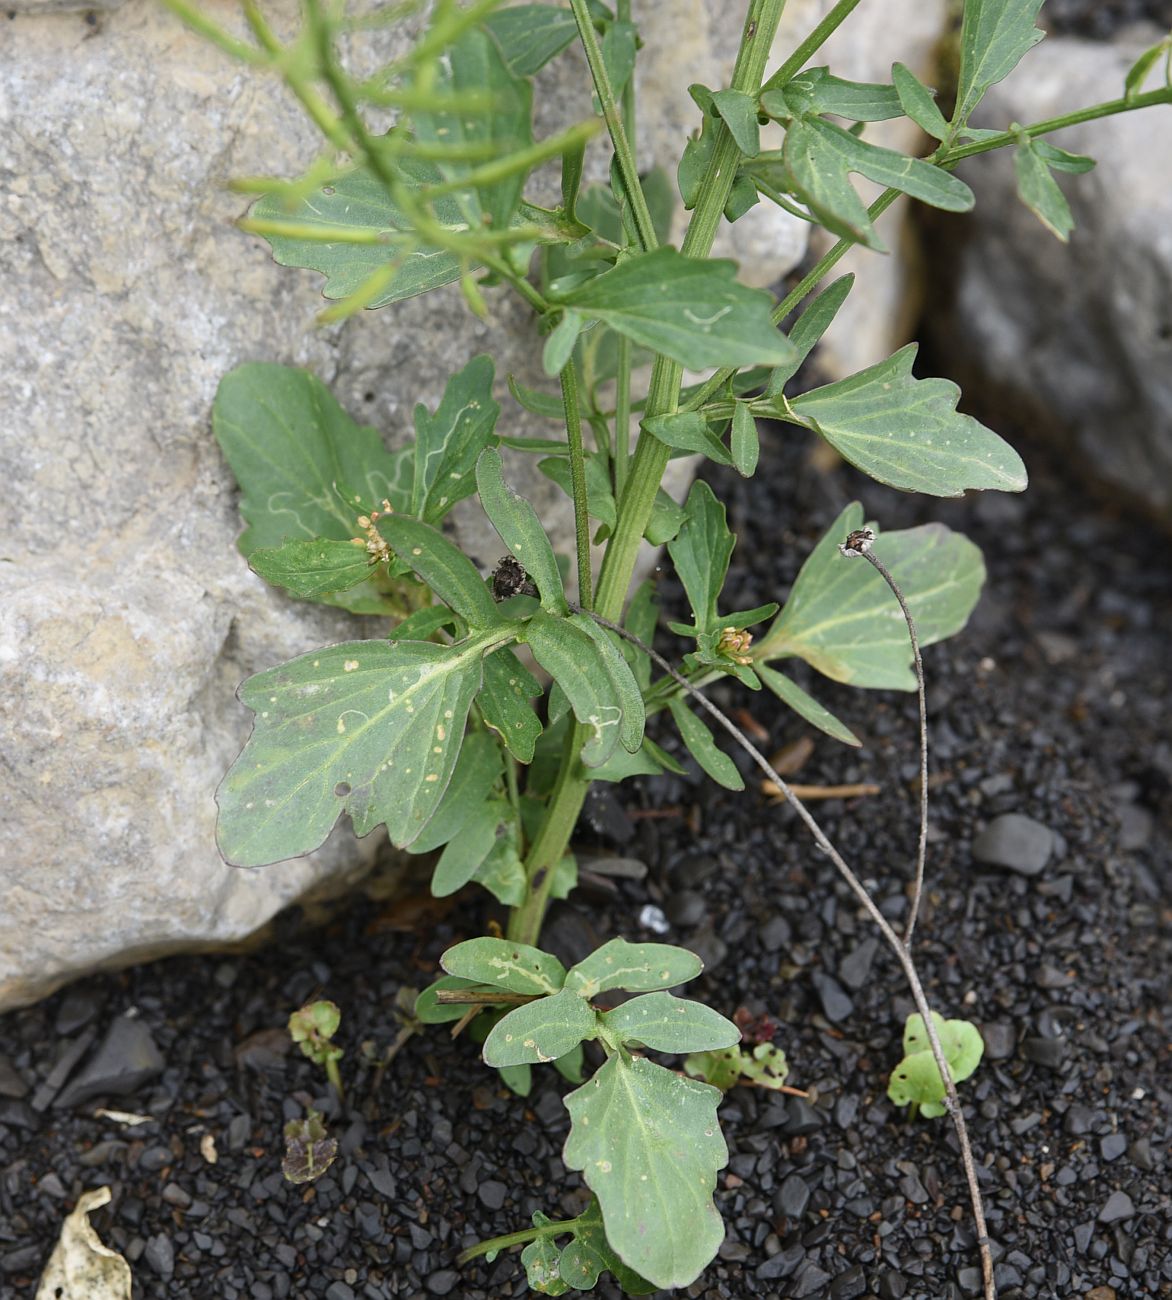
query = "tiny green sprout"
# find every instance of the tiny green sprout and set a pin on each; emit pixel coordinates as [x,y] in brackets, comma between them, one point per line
[309,1149]
[764,1067]
[916,1080]
[313,1026]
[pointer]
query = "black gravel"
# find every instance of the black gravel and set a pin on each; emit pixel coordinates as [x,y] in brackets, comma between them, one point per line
[1051,707]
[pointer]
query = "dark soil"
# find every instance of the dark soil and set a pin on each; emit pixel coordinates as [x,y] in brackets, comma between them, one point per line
[1052,704]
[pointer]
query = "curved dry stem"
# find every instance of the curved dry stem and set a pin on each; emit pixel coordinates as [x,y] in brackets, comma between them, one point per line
[897,945]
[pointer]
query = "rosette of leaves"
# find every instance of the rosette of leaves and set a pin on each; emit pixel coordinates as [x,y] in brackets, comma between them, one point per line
[646,1139]
[916,1080]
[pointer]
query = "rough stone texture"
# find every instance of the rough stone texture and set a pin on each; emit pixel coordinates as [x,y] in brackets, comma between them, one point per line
[126,616]
[1077,336]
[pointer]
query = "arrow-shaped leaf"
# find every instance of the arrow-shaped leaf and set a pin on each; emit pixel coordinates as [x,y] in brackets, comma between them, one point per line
[369,728]
[648,1145]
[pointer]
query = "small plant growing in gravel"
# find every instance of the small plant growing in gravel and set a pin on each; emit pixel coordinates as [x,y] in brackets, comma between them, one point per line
[434,727]
[309,1149]
[312,1028]
[764,1066]
[916,1081]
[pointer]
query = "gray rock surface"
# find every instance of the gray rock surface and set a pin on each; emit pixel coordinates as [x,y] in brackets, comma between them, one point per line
[127,619]
[1015,842]
[1076,338]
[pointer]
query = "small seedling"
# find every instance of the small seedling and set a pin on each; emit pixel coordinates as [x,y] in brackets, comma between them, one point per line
[764,1067]
[916,1080]
[313,1026]
[309,1150]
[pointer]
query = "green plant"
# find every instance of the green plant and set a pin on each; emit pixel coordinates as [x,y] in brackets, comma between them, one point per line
[763,1067]
[312,1028]
[433,731]
[916,1081]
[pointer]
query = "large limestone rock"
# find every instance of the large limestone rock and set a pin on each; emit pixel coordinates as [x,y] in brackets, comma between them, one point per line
[1078,337]
[126,616]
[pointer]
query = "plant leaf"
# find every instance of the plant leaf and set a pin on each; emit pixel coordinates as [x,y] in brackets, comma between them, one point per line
[618,54]
[626,687]
[688,431]
[917,1077]
[513,966]
[700,744]
[764,1067]
[559,346]
[739,111]
[516,521]
[790,693]
[918,102]
[1137,74]
[444,567]
[301,462]
[994,37]
[692,310]
[504,702]
[530,35]
[809,328]
[819,155]
[476,772]
[467,849]
[589,1254]
[502,873]
[637,967]
[312,569]
[370,728]
[701,551]
[904,431]
[842,618]
[448,443]
[816,90]
[744,443]
[1039,191]
[430,1011]
[670,1024]
[542,1259]
[541,1031]
[636,1126]
[424,623]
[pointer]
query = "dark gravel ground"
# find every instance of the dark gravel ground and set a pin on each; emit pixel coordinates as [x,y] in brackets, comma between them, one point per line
[1099,19]
[1052,705]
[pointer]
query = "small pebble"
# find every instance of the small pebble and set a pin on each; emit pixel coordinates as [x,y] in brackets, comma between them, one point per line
[1118,1207]
[1015,842]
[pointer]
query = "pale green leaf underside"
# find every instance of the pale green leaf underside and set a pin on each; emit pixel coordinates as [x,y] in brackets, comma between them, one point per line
[541,1031]
[701,551]
[842,618]
[804,704]
[514,966]
[670,1024]
[648,1144]
[475,773]
[906,432]
[369,728]
[690,309]
[504,702]
[637,967]
[995,36]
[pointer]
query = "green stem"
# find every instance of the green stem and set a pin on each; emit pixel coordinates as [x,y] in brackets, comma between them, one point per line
[644,478]
[521,1238]
[578,481]
[335,1076]
[622,417]
[612,115]
[811,45]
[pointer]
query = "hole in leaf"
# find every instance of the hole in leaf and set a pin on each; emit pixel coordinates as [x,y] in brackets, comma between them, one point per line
[342,789]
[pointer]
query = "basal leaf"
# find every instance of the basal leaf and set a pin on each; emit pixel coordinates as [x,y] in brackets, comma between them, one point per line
[809,328]
[444,567]
[357,205]
[541,1031]
[670,1024]
[637,967]
[803,704]
[703,747]
[467,849]
[577,664]
[994,37]
[504,702]
[369,728]
[701,552]
[636,1126]
[312,569]
[842,618]
[905,431]
[1038,190]
[530,35]
[692,310]
[819,156]
[688,431]
[476,772]
[816,90]
[448,442]
[299,458]
[516,521]
[513,966]
[918,102]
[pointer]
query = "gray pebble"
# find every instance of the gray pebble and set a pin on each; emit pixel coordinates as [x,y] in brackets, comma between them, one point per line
[1015,842]
[1113,1146]
[492,1194]
[1119,1207]
[793,1197]
[160,1254]
[1000,1038]
[855,967]
[836,1005]
[1047,1052]
[443,1282]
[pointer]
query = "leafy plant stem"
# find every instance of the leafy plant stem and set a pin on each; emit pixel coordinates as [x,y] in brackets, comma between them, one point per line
[569,378]
[1106,109]
[897,944]
[613,116]
[922,849]
[521,1238]
[646,469]
[811,45]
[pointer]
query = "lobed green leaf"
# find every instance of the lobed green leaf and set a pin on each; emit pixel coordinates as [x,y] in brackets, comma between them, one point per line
[312,569]
[817,90]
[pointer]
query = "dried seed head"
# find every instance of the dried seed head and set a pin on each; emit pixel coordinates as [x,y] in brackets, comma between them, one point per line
[858,542]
